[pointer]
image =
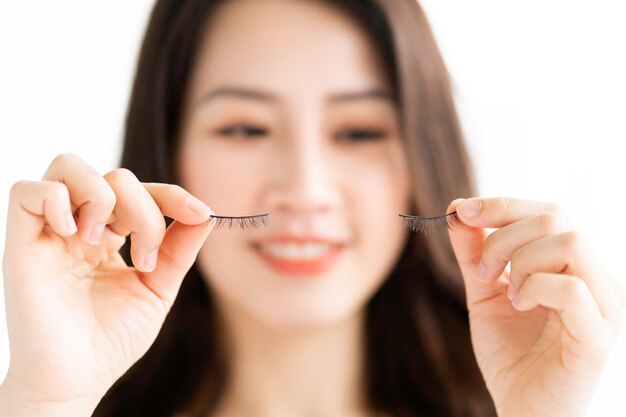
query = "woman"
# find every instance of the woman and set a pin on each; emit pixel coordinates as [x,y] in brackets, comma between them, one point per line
[333,117]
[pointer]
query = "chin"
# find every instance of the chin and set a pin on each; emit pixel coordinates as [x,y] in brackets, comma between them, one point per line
[304,321]
[305,313]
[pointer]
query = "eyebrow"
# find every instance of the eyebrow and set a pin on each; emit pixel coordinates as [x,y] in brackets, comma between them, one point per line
[264,96]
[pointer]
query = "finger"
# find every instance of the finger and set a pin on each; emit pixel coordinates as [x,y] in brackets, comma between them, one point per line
[500,245]
[176,255]
[570,298]
[118,228]
[566,253]
[497,212]
[136,214]
[467,243]
[32,204]
[177,203]
[89,192]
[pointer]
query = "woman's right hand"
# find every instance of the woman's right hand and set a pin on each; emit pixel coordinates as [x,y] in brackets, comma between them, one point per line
[78,317]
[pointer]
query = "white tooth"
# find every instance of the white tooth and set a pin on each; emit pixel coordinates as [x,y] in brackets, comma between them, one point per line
[292,251]
[310,251]
[314,251]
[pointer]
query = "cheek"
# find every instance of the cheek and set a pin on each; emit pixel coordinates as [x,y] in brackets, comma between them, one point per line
[220,179]
[380,191]
[224,180]
[379,196]
[383,194]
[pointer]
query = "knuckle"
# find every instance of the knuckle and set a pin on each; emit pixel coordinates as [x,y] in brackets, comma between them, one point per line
[106,198]
[572,241]
[17,189]
[549,222]
[109,198]
[120,175]
[64,159]
[566,222]
[159,226]
[57,190]
[575,289]
[50,189]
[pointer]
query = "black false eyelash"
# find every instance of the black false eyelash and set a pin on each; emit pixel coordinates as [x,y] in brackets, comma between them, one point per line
[427,225]
[242,221]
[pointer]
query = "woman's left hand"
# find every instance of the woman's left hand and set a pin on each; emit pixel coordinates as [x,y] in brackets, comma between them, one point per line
[542,353]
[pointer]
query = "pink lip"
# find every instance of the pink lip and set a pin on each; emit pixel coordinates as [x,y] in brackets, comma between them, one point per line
[301,267]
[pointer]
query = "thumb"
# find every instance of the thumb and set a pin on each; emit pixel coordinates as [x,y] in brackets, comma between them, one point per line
[468,243]
[177,254]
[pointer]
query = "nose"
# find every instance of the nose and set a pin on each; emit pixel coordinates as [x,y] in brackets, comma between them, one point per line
[303,181]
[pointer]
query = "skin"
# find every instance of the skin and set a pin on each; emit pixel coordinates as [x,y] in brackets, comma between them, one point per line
[309,178]
[78,318]
[303,168]
[541,353]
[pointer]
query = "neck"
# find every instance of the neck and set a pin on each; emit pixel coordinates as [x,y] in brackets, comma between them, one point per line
[314,371]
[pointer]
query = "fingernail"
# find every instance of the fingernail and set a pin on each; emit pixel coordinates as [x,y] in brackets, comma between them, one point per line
[96,234]
[511,293]
[469,209]
[70,224]
[196,205]
[481,271]
[149,262]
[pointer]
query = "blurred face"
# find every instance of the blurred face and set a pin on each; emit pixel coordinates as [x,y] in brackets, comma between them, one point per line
[289,113]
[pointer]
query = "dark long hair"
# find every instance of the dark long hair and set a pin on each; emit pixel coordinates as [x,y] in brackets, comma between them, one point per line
[419,357]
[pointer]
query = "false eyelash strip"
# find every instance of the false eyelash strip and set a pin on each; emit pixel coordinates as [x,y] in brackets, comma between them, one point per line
[427,225]
[242,221]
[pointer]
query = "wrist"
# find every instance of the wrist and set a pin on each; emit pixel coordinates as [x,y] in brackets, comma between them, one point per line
[17,402]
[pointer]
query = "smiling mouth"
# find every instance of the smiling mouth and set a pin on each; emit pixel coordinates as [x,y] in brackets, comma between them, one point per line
[303,257]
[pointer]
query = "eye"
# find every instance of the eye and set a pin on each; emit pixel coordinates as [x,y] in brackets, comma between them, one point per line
[242,131]
[361,135]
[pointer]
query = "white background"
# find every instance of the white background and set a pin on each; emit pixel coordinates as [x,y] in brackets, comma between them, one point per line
[540,86]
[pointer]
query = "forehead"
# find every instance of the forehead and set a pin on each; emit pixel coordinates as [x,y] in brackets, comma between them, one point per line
[286,46]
